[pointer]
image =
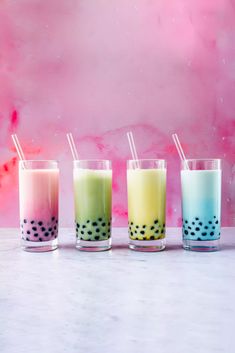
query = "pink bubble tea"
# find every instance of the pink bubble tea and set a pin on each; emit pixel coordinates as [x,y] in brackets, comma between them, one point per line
[39,189]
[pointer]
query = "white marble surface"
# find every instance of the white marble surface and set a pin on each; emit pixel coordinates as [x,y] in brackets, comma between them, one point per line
[118,301]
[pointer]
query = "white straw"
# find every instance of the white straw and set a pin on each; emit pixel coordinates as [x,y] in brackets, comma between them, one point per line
[72,146]
[18,148]
[132,147]
[180,149]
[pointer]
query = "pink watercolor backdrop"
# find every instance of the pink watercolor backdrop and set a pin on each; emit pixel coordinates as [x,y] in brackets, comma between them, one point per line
[99,68]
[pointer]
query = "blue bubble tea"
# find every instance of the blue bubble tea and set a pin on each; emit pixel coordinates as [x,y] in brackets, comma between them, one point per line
[201,204]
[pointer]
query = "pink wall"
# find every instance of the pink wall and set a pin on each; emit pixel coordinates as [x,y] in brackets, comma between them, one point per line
[100,68]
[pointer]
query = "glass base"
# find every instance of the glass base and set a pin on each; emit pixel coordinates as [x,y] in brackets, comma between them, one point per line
[102,245]
[203,245]
[39,246]
[147,245]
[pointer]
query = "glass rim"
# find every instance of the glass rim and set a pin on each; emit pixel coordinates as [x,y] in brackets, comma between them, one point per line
[92,160]
[147,160]
[202,159]
[38,160]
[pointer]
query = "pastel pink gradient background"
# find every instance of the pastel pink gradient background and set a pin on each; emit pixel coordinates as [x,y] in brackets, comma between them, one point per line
[100,68]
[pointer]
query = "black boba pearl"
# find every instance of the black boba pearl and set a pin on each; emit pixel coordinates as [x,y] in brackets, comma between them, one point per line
[197,229]
[100,219]
[186,232]
[22,232]
[36,235]
[32,222]
[40,223]
[193,223]
[137,226]
[110,223]
[210,222]
[186,221]
[219,233]
[25,221]
[211,233]
[197,219]
[52,233]
[132,233]
[97,237]
[135,231]
[130,228]
[206,227]
[162,231]
[56,221]
[189,227]
[103,224]
[40,239]
[144,226]
[28,231]
[217,222]
[200,223]
[43,229]
[89,232]
[156,231]
[164,225]
[82,232]
[55,228]
[199,239]
[213,227]
[104,234]
[49,229]
[94,224]
[34,228]
[142,232]
[192,233]
[152,228]
[156,221]
[46,234]
[52,218]
[214,216]
[132,223]
[78,225]
[27,239]
[144,238]
[204,233]
[97,230]
[88,221]
[152,237]
[84,226]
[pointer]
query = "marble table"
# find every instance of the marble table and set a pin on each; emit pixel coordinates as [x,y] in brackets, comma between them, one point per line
[119,301]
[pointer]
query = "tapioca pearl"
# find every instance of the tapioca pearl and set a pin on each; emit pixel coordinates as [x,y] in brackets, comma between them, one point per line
[97,237]
[55,227]
[152,228]
[46,234]
[28,232]
[156,221]
[189,227]
[199,239]
[192,233]
[84,226]
[94,224]
[88,221]
[186,221]
[25,220]
[109,223]
[164,225]
[52,233]
[212,233]
[49,229]
[144,226]
[43,229]
[27,239]
[36,235]
[56,221]
[197,229]
[210,222]
[204,234]
[193,223]
[135,231]
[34,228]
[213,227]
[197,219]
[97,230]
[104,234]
[162,231]
[40,239]
[216,222]
[200,223]
[103,224]
[142,232]
[144,238]
[132,223]
[40,223]
[152,237]
[206,227]
[185,232]
[137,226]
[100,219]
[32,222]
[157,231]
[132,234]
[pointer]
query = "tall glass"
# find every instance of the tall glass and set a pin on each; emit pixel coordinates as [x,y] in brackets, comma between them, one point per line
[146,188]
[39,190]
[93,204]
[201,203]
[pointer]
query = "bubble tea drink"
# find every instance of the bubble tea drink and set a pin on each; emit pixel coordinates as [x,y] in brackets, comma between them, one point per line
[93,204]
[39,188]
[146,187]
[201,204]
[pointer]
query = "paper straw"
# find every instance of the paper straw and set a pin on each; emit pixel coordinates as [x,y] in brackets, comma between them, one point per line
[133,148]
[72,146]
[18,148]
[180,149]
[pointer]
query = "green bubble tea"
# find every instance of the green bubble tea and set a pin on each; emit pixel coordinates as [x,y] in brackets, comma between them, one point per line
[93,201]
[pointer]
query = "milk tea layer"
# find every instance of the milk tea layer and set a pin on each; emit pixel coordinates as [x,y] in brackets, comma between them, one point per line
[146,203]
[93,199]
[39,204]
